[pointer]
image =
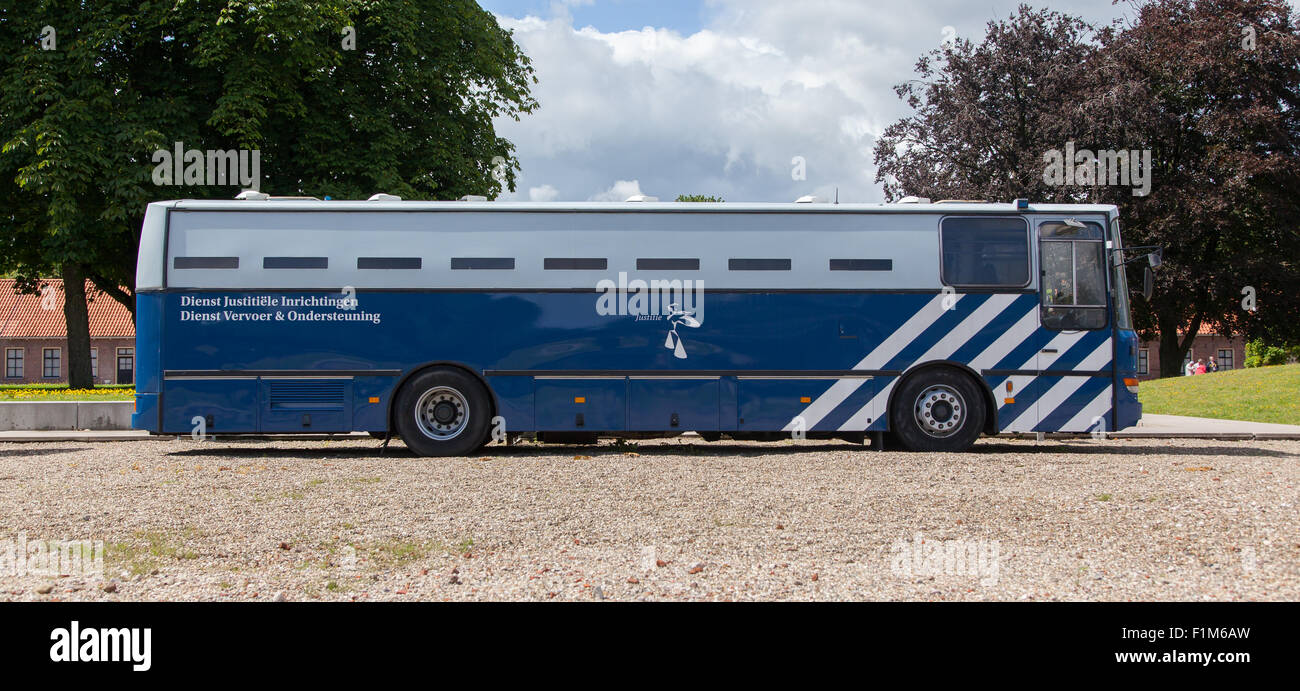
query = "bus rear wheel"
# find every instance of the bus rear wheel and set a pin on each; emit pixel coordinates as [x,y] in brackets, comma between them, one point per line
[938,410]
[443,412]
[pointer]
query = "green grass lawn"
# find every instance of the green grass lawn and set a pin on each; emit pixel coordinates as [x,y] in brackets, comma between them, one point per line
[1257,394]
[60,392]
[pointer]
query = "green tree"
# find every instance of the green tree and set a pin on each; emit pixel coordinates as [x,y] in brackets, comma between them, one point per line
[698,198]
[1211,88]
[1219,115]
[986,112]
[340,97]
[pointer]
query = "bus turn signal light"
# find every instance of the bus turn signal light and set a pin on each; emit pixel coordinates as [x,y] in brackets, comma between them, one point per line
[1132,384]
[579,399]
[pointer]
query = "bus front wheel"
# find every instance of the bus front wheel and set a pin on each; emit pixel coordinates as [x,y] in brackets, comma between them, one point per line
[443,412]
[937,410]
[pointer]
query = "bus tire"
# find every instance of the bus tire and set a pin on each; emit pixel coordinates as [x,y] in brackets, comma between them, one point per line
[937,410]
[443,411]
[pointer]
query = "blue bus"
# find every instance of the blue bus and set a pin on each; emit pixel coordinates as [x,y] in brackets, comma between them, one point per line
[450,324]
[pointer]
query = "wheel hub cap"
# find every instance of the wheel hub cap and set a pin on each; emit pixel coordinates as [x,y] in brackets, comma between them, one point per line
[940,411]
[442,413]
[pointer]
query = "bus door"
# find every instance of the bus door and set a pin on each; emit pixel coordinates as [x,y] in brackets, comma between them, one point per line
[1073,387]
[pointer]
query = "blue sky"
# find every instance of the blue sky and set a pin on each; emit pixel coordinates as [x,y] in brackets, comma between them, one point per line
[611,15]
[751,100]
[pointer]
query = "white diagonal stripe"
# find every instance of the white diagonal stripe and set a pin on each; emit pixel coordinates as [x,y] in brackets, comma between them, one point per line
[1062,389]
[946,346]
[881,354]
[1008,341]
[1039,361]
[1082,421]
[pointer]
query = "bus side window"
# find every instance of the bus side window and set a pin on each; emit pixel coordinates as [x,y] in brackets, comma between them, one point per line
[1074,276]
[984,252]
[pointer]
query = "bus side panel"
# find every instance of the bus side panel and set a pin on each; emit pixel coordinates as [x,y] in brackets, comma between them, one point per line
[1015,396]
[218,405]
[673,404]
[305,405]
[148,363]
[584,405]
[1128,411]
[514,399]
[777,404]
[370,403]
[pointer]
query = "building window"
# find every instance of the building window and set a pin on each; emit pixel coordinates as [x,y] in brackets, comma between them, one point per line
[984,252]
[94,363]
[14,362]
[126,365]
[1143,364]
[51,363]
[1225,358]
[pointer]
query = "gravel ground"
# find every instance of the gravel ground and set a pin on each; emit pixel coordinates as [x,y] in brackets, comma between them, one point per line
[678,519]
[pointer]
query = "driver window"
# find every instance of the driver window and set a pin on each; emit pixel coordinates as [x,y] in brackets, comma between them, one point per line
[1074,276]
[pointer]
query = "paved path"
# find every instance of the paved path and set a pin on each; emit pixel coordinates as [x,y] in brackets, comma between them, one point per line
[1173,426]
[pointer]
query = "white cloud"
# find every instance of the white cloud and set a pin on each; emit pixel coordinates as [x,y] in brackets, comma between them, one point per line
[619,192]
[723,111]
[545,193]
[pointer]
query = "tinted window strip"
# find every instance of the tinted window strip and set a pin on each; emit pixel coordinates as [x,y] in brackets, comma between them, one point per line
[389,262]
[575,264]
[758,264]
[482,262]
[668,264]
[862,265]
[205,263]
[295,262]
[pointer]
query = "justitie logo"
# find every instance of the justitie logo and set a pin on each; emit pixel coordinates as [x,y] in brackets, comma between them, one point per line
[678,302]
[75,644]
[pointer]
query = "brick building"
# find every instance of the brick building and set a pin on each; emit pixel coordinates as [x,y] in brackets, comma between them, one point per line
[1228,351]
[34,338]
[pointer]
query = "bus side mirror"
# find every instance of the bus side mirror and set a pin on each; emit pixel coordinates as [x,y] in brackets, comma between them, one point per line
[1156,258]
[1148,283]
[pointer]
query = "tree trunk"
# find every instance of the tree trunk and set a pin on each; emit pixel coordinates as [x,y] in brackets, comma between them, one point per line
[1171,349]
[76,317]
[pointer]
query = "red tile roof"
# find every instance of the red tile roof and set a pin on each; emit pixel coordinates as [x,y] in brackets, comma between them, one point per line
[32,316]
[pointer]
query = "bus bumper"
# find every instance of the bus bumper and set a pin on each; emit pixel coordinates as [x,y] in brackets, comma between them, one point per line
[145,416]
